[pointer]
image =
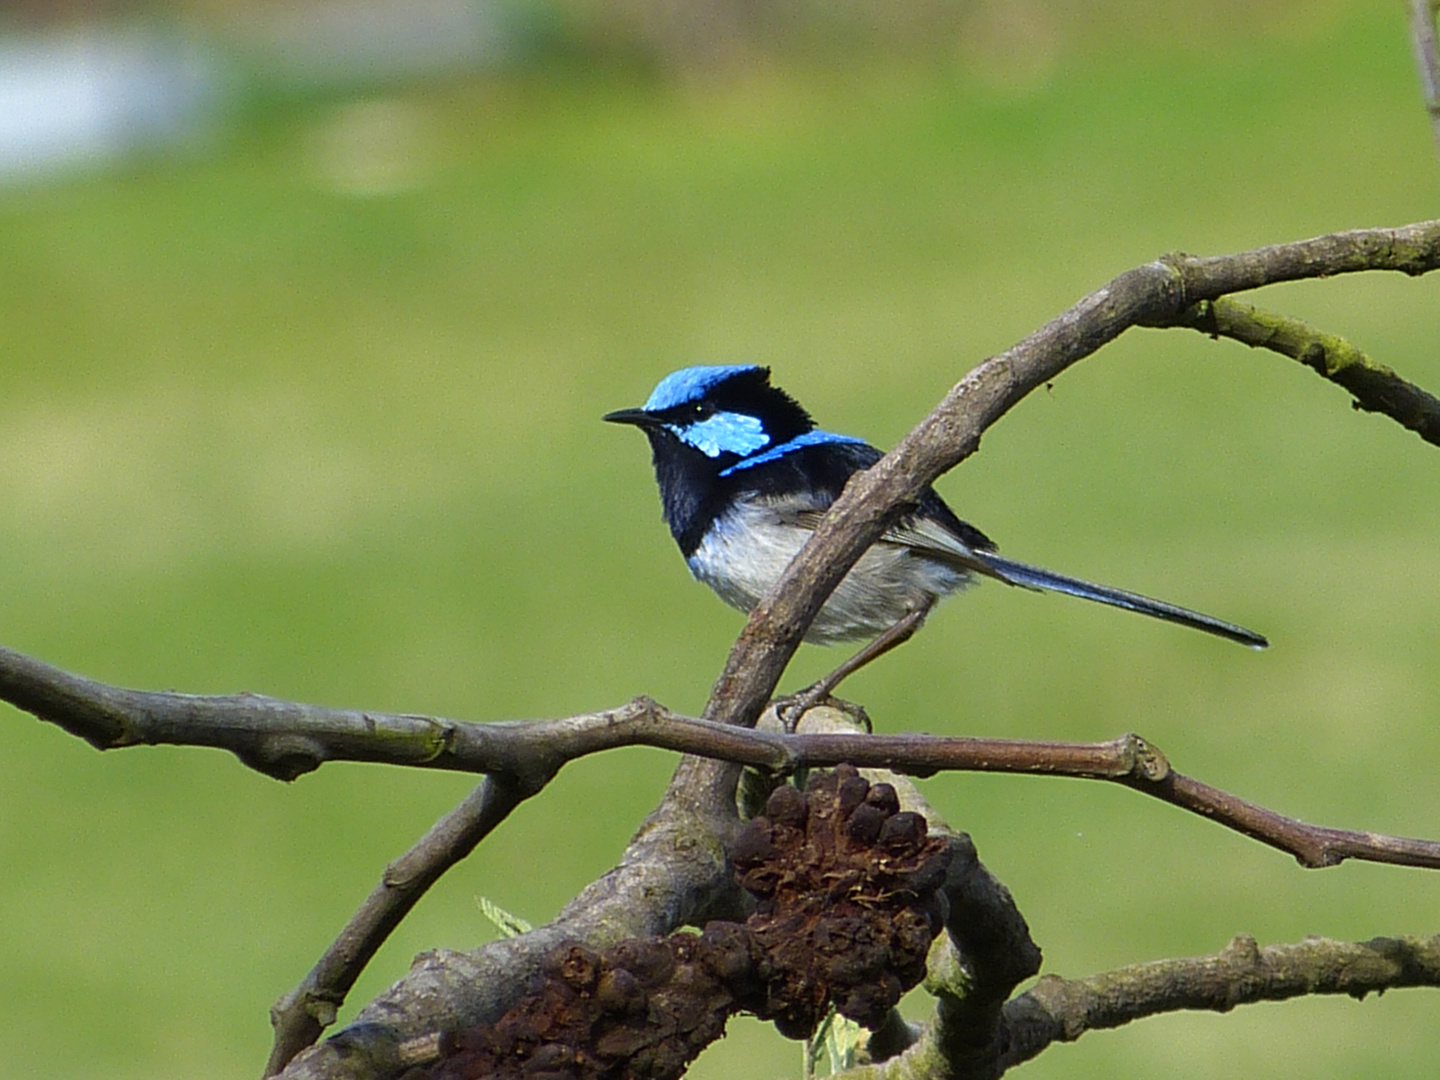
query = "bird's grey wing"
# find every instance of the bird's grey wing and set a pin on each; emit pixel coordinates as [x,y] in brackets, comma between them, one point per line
[924,536]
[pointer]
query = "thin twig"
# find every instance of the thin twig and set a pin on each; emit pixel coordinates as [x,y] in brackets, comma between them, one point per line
[301,1015]
[1128,760]
[1427,57]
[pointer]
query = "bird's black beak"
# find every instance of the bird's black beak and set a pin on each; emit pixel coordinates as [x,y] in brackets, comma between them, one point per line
[638,417]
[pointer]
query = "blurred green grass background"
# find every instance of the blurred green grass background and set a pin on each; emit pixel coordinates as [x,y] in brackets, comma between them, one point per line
[264,430]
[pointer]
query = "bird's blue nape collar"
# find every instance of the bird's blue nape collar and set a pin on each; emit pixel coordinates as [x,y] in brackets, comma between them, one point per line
[775,453]
[691,384]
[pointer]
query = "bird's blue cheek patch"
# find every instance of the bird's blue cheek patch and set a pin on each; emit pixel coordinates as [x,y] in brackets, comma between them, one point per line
[724,433]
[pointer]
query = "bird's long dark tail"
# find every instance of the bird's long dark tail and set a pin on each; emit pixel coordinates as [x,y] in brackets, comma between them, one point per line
[1032,577]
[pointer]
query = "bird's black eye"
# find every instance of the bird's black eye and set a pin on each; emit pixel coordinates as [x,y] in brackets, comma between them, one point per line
[701,409]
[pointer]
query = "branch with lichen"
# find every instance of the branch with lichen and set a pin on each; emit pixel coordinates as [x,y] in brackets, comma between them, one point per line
[1375,387]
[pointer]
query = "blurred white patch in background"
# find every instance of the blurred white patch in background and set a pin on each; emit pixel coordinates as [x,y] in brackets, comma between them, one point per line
[86,95]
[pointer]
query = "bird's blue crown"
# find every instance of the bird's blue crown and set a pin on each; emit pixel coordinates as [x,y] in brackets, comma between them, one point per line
[733,409]
[692,383]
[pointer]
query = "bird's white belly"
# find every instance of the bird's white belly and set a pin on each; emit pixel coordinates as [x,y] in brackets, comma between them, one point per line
[748,548]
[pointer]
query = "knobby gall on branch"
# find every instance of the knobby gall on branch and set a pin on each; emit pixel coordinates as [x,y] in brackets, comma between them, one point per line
[847,905]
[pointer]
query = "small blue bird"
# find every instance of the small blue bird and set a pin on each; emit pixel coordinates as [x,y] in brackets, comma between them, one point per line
[745,476]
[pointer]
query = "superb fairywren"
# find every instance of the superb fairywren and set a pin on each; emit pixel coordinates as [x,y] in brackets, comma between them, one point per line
[745,476]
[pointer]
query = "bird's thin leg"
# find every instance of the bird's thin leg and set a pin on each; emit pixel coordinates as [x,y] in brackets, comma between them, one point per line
[794,708]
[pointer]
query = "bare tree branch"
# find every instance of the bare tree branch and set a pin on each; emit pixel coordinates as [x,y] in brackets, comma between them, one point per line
[286,739]
[1128,760]
[674,870]
[524,755]
[1375,387]
[1061,1010]
[280,737]
[1427,57]
[986,953]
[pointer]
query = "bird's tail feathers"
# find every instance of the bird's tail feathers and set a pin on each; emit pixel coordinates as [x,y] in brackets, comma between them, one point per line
[1032,577]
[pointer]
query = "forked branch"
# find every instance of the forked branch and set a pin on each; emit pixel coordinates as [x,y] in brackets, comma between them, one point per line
[675,869]
[1160,294]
